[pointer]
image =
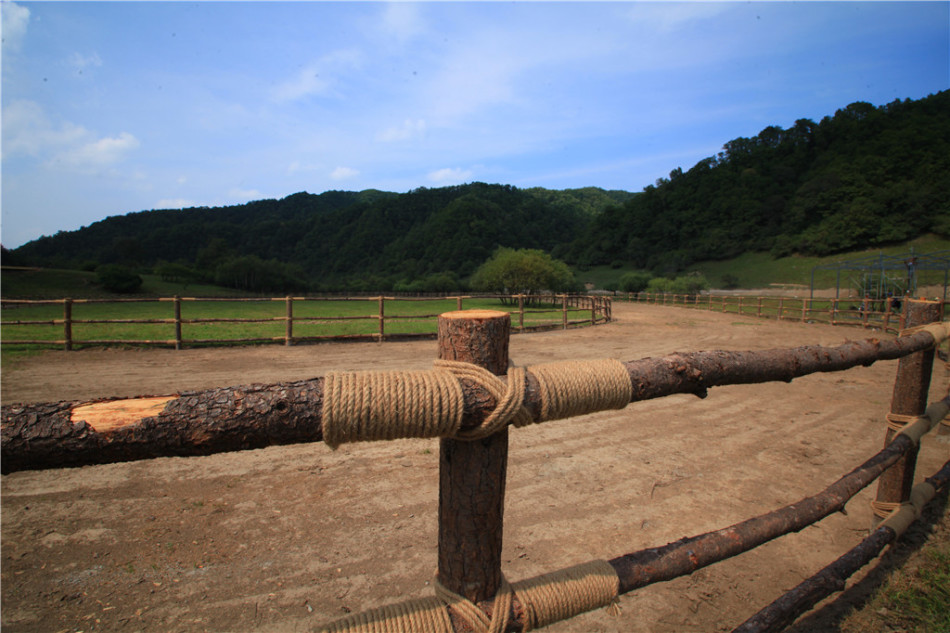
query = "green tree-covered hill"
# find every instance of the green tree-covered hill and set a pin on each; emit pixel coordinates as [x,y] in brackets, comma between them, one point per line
[337,238]
[865,177]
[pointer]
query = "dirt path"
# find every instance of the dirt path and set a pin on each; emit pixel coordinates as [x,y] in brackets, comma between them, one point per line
[286,538]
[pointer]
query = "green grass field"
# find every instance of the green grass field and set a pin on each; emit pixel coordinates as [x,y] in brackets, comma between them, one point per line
[204,322]
[760,270]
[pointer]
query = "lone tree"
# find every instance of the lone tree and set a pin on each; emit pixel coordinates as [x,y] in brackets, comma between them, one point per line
[523,271]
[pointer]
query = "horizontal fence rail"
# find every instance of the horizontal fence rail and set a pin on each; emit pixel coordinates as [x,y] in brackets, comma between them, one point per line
[468,401]
[303,319]
[884,314]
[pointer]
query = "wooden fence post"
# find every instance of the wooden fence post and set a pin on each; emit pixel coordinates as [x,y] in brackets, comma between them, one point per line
[382,317]
[564,311]
[289,330]
[593,311]
[472,474]
[177,302]
[804,310]
[521,312]
[911,388]
[68,324]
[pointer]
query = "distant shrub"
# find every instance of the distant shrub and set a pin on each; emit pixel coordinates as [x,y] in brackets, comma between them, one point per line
[636,281]
[116,278]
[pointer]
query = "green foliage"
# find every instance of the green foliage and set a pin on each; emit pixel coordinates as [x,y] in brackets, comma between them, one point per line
[690,284]
[253,274]
[635,281]
[116,278]
[523,271]
[865,177]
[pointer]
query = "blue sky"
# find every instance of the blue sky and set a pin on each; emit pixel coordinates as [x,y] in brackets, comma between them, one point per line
[113,107]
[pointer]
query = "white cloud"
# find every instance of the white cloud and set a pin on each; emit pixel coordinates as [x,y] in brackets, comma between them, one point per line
[28,131]
[318,78]
[174,203]
[344,173]
[97,154]
[409,129]
[13,22]
[450,175]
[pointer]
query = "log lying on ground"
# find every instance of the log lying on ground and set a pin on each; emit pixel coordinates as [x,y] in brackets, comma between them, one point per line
[54,435]
[781,613]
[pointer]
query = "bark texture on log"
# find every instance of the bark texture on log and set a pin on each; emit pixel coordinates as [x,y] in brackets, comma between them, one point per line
[911,388]
[781,613]
[472,474]
[55,435]
[689,554]
[254,416]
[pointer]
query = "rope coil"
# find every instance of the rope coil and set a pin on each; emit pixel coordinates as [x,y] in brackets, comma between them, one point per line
[386,405]
[545,599]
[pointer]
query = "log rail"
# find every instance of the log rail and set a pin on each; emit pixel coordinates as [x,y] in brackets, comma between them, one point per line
[53,435]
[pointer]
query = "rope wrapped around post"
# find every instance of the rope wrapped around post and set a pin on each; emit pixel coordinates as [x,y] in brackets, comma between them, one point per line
[371,405]
[545,599]
[914,427]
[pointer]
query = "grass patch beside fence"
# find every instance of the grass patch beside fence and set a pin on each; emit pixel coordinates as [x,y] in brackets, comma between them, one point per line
[262,320]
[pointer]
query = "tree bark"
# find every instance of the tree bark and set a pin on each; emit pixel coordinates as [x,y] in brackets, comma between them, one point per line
[52,435]
[781,613]
[911,389]
[472,474]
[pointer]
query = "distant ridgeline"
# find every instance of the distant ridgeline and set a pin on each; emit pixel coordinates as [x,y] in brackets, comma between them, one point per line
[865,177]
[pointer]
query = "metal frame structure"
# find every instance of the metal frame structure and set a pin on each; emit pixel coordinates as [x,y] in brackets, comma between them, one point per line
[881,276]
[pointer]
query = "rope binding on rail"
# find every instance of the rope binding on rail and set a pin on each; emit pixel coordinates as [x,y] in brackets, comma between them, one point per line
[385,405]
[544,599]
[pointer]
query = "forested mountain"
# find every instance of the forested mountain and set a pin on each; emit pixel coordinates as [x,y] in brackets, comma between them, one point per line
[864,177]
[370,238]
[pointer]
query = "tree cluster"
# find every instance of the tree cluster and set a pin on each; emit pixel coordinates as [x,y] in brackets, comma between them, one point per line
[867,176]
[421,241]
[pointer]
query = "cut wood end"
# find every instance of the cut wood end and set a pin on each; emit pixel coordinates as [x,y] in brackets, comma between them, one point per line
[474,314]
[108,416]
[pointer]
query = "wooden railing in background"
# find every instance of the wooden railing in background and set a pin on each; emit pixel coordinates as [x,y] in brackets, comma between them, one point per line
[595,309]
[885,315]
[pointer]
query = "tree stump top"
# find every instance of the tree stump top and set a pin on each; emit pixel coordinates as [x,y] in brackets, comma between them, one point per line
[474,314]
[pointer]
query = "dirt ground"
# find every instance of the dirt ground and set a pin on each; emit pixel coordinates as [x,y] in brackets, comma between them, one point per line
[288,538]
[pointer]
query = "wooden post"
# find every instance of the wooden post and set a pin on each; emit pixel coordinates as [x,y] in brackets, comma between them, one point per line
[382,318]
[593,311]
[458,302]
[910,398]
[289,330]
[804,310]
[834,311]
[781,308]
[68,324]
[521,312]
[177,301]
[759,311]
[564,311]
[472,474]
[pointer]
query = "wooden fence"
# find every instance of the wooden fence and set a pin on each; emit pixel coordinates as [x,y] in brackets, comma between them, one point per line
[885,315]
[554,311]
[473,469]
